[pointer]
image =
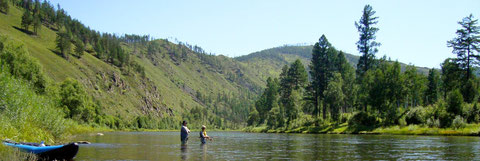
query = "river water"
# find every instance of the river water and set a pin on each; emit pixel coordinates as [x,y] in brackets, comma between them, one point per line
[261,146]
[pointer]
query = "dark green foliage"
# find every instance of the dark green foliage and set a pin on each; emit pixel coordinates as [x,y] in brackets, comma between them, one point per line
[415,85]
[14,58]
[292,80]
[455,103]
[349,87]
[334,96]
[79,48]
[473,115]
[387,90]
[365,84]
[297,75]
[367,45]
[363,118]
[432,92]
[445,118]
[467,44]
[27,20]
[60,17]
[63,43]
[470,90]
[4,7]
[253,117]
[36,19]
[47,13]
[275,119]
[36,23]
[268,99]
[451,75]
[322,66]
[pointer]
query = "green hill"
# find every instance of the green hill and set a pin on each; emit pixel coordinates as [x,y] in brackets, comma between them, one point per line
[143,83]
[269,62]
[158,88]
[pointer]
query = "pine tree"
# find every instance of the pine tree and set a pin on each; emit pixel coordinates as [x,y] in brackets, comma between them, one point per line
[298,75]
[59,17]
[467,47]
[322,67]
[36,23]
[79,48]
[63,43]
[285,92]
[27,20]
[367,44]
[268,99]
[467,44]
[451,74]
[36,19]
[431,94]
[296,79]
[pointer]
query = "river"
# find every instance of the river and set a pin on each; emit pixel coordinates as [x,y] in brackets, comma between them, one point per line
[261,146]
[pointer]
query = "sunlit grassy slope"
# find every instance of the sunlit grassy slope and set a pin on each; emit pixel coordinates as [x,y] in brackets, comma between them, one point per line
[173,86]
[170,88]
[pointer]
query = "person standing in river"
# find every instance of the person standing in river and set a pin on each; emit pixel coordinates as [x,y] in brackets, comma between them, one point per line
[204,136]
[184,133]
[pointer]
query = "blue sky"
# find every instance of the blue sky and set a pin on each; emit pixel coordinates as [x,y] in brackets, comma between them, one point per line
[411,31]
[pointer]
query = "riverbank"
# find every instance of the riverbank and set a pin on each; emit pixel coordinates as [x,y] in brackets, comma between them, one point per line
[8,153]
[468,130]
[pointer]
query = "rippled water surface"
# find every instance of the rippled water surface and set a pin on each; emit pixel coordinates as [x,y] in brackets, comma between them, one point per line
[260,146]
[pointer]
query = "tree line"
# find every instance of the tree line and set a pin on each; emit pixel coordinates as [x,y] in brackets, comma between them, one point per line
[378,92]
[73,37]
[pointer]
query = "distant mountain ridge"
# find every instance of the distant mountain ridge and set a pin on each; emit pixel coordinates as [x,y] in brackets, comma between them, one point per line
[270,61]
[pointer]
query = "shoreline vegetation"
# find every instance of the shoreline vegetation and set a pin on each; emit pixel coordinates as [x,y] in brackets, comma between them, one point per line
[379,96]
[328,97]
[468,130]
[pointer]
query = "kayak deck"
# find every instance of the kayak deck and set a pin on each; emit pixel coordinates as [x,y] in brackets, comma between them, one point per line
[55,152]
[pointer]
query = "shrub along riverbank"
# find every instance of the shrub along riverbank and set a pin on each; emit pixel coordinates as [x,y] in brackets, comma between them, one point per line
[30,104]
[468,130]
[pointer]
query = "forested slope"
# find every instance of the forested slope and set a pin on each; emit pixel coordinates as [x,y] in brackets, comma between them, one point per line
[137,82]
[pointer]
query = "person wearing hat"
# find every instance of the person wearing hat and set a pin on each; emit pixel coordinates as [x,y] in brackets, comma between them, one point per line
[184,133]
[204,136]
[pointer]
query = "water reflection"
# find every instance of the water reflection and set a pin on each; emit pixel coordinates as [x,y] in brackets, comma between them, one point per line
[251,146]
[204,149]
[184,151]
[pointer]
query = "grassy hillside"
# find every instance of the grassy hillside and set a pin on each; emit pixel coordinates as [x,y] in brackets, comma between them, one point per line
[178,82]
[269,62]
[162,82]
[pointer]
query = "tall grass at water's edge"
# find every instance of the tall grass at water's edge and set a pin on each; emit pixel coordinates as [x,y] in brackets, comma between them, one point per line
[468,130]
[26,116]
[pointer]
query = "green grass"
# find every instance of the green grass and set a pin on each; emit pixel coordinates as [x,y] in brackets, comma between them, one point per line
[165,79]
[468,130]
